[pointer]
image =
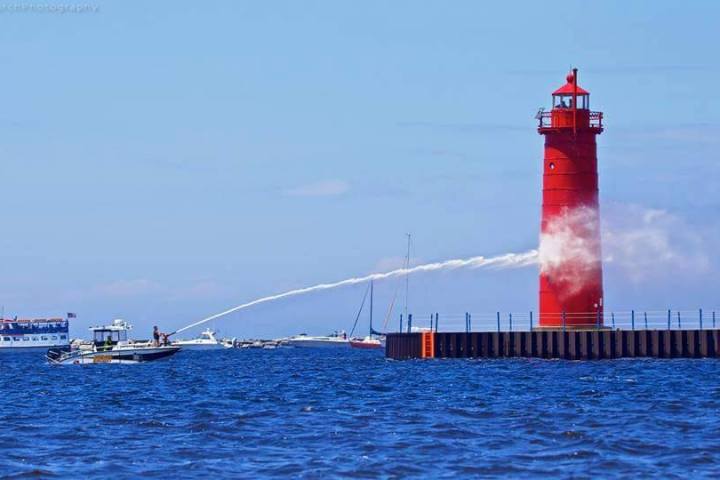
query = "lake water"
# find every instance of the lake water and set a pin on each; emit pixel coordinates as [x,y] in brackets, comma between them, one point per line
[317,414]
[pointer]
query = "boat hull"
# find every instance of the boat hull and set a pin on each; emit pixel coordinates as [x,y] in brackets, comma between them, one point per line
[121,356]
[308,343]
[191,346]
[366,345]
[32,349]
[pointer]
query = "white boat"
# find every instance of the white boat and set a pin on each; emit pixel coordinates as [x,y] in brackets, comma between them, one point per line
[37,334]
[206,341]
[370,342]
[111,345]
[334,340]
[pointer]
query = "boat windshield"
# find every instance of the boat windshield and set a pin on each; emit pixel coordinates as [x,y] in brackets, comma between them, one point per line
[101,336]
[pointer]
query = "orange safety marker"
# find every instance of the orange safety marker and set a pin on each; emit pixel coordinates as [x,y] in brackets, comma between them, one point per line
[427,341]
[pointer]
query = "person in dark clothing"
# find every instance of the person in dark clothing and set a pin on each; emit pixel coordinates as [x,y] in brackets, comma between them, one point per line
[156,336]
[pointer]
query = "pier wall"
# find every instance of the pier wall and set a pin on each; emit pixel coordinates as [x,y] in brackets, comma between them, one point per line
[568,345]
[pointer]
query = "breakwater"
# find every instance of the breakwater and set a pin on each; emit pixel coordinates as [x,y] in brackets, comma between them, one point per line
[568,344]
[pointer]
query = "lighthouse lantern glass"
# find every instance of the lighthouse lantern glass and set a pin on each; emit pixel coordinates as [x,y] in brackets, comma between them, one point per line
[566,101]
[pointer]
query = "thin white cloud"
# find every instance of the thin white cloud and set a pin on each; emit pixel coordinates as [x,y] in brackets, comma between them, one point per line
[144,288]
[128,288]
[323,188]
[691,133]
[202,290]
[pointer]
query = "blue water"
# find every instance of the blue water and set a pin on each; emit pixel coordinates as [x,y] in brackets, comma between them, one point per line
[317,414]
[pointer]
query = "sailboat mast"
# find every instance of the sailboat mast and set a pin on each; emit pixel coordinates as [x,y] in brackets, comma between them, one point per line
[371,306]
[407,275]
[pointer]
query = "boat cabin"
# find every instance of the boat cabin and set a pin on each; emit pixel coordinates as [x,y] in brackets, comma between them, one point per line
[112,334]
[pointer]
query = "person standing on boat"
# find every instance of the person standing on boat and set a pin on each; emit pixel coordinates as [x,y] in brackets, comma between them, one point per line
[156,336]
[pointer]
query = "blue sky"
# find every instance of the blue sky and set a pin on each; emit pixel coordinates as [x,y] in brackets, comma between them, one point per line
[161,161]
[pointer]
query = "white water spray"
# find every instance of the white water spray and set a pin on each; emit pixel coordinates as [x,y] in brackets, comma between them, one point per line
[510,260]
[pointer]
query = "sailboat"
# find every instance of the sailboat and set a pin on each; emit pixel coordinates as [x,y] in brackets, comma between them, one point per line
[375,339]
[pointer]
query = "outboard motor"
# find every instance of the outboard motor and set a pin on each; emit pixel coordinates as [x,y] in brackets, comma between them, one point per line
[54,354]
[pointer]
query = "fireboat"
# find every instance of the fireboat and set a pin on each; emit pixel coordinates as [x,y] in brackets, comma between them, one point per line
[110,344]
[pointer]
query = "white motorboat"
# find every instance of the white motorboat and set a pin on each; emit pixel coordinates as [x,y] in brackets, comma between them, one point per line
[111,345]
[334,340]
[206,341]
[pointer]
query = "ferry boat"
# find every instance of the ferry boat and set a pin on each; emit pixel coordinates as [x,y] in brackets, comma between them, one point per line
[206,341]
[334,340]
[35,334]
[111,345]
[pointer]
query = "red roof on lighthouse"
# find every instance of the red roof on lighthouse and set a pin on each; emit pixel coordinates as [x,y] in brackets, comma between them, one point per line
[569,87]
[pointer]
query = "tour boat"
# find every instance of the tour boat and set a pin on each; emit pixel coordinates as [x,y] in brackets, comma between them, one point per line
[36,334]
[111,345]
[206,341]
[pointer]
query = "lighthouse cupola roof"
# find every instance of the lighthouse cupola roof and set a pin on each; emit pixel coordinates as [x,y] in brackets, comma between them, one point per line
[571,95]
[569,87]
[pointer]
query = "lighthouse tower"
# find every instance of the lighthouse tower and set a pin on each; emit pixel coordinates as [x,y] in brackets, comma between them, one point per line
[571,293]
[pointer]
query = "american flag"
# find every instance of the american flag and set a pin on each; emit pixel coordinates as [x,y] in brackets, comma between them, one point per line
[71,315]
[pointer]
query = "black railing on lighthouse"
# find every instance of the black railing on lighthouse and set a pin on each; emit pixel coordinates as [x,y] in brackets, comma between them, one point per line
[634,319]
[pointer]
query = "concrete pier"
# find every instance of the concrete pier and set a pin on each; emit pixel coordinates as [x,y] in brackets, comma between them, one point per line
[568,345]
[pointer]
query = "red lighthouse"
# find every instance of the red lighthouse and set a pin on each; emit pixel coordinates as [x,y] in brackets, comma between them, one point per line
[571,293]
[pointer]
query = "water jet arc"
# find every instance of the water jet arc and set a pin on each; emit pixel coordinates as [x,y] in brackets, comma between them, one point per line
[510,260]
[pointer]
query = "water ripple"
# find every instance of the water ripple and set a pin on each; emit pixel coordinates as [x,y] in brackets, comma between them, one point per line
[310,414]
